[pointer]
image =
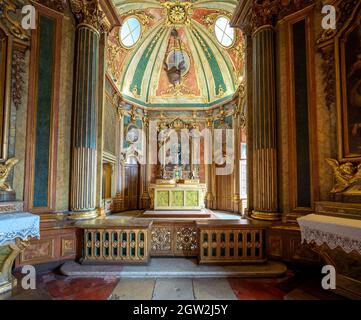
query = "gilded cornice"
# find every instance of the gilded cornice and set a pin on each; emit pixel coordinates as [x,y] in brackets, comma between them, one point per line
[253,14]
[89,12]
[57,5]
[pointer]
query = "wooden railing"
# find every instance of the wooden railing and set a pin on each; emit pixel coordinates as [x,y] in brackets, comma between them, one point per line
[231,242]
[126,243]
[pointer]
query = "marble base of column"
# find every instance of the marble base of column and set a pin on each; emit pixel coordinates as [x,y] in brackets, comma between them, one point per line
[268,216]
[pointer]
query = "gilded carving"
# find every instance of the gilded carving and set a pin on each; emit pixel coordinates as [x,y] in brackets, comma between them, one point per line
[18,70]
[89,12]
[5,170]
[161,239]
[178,12]
[186,239]
[346,174]
[8,10]
[263,13]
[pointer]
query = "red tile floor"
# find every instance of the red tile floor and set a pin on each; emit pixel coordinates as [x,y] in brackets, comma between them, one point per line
[295,285]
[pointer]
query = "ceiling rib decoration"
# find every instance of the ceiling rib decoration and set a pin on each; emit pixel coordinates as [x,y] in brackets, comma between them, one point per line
[211,73]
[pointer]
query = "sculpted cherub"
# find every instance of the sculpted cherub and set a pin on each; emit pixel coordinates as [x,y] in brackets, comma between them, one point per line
[346,174]
[5,170]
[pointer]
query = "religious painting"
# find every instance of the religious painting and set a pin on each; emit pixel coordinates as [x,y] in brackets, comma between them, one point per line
[351,92]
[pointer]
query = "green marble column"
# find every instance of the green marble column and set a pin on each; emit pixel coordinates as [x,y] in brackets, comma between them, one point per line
[86,100]
[264,125]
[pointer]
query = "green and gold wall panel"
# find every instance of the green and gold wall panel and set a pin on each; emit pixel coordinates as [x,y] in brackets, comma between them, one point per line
[43,112]
[192,198]
[163,198]
[177,198]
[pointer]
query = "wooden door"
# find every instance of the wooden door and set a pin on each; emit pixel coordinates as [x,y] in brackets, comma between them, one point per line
[132,187]
[107,181]
[224,192]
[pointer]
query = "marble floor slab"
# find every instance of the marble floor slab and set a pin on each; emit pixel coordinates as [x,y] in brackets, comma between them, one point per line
[173,289]
[133,289]
[213,289]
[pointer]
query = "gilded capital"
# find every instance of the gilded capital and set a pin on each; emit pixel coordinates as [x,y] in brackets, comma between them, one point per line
[89,12]
[264,12]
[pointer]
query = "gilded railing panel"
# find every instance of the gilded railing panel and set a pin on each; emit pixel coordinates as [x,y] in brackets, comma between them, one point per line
[116,245]
[228,245]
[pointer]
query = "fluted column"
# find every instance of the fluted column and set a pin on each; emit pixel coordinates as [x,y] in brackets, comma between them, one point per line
[237,156]
[147,165]
[84,146]
[264,116]
[208,166]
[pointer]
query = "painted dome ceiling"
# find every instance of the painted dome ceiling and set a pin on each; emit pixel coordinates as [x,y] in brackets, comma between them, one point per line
[176,54]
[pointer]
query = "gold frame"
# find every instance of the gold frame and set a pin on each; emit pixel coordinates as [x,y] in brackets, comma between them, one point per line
[31,115]
[5,83]
[341,90]
[306,15]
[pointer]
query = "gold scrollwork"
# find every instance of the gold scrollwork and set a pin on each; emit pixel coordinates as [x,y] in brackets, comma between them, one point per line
[7,12]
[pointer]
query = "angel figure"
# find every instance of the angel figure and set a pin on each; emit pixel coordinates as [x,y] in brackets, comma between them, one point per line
[5,170]
[346,174]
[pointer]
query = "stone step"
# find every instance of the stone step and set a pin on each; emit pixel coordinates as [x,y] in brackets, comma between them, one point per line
[175,268]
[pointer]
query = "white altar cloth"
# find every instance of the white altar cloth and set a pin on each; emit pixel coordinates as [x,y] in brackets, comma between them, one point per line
[332,231]
[20,225]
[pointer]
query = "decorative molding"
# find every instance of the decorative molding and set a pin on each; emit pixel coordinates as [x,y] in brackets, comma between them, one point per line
[17,81]
[329,75]
[292,6]
[57,5]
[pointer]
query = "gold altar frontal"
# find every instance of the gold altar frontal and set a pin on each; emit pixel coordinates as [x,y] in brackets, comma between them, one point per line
[177,195]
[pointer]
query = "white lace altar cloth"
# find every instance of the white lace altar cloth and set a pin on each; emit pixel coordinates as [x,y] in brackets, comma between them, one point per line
[332,231]
[20,225]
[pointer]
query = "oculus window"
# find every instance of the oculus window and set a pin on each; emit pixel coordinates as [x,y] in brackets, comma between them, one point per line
[130,32]
[224,32]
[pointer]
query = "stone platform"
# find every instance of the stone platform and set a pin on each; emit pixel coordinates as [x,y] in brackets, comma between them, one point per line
[177,214]
[175,268]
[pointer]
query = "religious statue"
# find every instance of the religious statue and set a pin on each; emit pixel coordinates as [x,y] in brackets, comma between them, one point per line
[5,170]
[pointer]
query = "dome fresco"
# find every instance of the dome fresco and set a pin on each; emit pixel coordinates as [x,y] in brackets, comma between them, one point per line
[176,54]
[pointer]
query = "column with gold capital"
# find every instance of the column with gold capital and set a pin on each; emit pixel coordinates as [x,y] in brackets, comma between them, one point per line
[264,112]
[84,145]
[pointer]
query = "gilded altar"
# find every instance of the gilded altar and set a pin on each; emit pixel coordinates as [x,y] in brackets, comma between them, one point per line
[178,195]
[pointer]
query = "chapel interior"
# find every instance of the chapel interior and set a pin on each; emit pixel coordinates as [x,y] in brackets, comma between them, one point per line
[147,140]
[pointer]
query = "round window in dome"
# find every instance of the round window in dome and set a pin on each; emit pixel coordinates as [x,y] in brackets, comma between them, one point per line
[224,32]
[130,32]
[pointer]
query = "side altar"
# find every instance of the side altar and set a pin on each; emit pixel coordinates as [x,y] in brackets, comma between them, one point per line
[177,195]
